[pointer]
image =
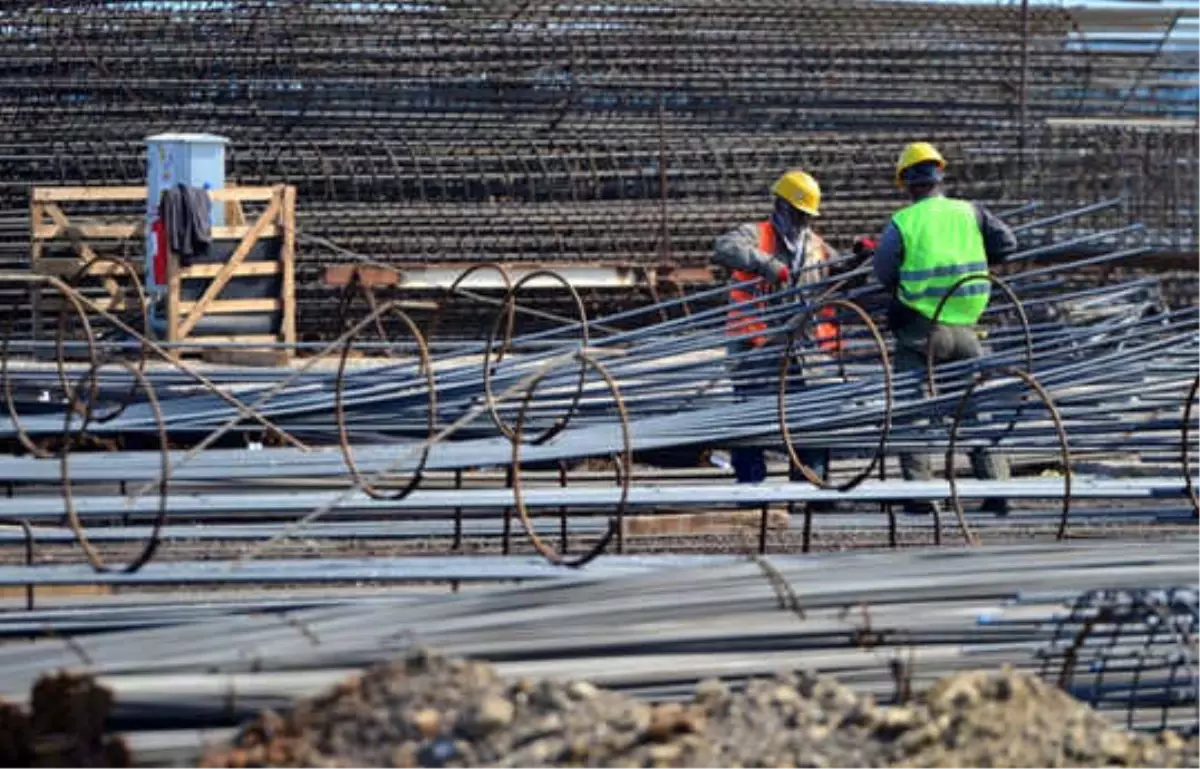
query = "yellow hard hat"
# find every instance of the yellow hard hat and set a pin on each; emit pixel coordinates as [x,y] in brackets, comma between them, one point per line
[917,152]
[801,190]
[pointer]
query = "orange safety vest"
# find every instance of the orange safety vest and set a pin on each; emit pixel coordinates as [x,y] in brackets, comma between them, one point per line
[741,321]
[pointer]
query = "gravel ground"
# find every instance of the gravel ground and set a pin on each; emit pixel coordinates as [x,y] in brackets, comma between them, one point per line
[824,538]
[430,711]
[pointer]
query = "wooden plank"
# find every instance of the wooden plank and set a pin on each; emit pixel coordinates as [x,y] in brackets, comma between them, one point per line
[69,266]
[373,277]
[174,284]
[198,342]
[89,231]
[37,221]
[55,194]
[242,194]
[127,231]
[234,216]
[287,327]
[716,522]
[37,214]
[225,232]
[221,306]
[238,256]
[244,270]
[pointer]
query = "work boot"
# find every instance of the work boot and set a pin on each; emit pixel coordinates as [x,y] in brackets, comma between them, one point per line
[922,507]
[995,505]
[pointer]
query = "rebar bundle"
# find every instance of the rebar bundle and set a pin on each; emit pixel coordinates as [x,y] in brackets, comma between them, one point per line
[883,624]
[1072,373]
[1109,643]
[137,471]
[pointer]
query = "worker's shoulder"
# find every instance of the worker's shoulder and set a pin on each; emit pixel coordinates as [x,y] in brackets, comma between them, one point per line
[743,230]
[966,206]
[982,214]
[952,200]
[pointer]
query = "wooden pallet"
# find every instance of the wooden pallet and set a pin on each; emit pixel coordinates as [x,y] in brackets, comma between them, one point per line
[51,224]
[712,522]
[278,220]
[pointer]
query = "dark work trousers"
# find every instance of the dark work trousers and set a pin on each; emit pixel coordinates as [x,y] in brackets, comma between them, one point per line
[750,462]
[950,343]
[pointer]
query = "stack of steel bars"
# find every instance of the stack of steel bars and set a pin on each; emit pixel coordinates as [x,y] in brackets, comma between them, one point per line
[182,671]
[1091,384]
[190,500]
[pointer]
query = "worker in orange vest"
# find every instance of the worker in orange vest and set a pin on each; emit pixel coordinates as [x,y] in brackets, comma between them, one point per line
[779,253]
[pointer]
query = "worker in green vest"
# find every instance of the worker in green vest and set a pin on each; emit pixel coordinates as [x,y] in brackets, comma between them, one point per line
[928,247]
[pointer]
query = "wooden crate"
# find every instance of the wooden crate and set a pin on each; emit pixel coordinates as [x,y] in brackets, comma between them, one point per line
[51,224]
[278,220]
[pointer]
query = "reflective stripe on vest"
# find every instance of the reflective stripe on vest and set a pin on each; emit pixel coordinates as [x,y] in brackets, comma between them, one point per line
[942,245]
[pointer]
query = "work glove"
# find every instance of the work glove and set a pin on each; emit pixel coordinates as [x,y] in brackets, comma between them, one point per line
[777,273]
[864,248]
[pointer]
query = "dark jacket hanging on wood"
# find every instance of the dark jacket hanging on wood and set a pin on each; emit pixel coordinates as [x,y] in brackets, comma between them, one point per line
[187,214]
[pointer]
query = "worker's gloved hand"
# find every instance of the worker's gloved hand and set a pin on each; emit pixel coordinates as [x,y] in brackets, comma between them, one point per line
[777,272]
[864,248]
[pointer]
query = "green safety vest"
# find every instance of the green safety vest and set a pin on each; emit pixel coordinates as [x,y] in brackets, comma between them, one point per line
[942,245]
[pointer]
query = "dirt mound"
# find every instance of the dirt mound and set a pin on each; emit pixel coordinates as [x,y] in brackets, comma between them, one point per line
[430,711]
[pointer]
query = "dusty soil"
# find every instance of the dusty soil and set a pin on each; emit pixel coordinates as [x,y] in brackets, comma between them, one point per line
[429,711]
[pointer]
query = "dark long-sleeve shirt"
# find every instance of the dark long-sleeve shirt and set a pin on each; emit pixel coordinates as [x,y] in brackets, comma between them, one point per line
[186,212]
[998,241]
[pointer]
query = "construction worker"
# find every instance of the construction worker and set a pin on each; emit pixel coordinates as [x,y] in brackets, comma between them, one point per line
[776,254]
[926,249]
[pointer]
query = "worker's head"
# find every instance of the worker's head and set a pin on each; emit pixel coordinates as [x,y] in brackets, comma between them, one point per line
[920,169]
[797,199]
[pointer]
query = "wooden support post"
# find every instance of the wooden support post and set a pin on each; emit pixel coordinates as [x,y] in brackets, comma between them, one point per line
[174,285]
[234,216]
[287,256]
[37,214]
